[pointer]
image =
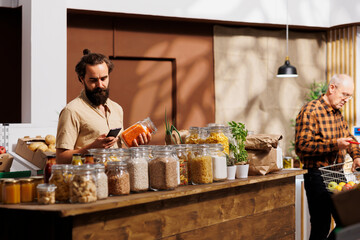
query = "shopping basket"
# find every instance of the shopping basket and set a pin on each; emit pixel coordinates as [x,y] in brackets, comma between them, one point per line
[340,172]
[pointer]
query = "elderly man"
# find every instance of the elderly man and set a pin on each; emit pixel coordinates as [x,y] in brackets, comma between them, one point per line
[86,120]
[322,138]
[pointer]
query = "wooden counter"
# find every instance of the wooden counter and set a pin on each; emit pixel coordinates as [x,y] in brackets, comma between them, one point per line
[259,207]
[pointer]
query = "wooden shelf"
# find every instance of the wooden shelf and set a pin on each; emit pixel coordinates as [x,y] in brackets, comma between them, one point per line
[65,210]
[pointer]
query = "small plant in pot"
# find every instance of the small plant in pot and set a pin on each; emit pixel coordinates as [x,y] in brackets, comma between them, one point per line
[231,168]
[237,148]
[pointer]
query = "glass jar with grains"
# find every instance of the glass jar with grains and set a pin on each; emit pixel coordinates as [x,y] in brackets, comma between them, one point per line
[102,190]
[118,178]
[218,162]
[83,184]
[216,134]
[163,169]
[60,177]
[138,170]
[201,165]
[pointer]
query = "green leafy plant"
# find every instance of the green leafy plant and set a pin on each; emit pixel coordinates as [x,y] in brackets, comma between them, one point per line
[230,161]
[316,90]
[239,133]
[169,130]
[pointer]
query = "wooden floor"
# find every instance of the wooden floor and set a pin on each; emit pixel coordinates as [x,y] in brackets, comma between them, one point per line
[260,207]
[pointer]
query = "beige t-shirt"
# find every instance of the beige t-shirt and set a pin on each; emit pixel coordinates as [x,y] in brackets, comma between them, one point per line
[80,123]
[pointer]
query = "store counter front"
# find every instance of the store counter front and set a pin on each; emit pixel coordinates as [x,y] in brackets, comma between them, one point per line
[258,207]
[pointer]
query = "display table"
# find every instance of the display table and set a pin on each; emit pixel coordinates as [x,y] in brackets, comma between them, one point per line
[259,207]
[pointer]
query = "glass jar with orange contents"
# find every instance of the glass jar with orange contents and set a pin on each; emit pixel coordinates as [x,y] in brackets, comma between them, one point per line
[27,190]
[11,191]
[133,132]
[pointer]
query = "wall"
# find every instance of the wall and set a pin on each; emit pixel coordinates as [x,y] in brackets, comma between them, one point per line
[168,67]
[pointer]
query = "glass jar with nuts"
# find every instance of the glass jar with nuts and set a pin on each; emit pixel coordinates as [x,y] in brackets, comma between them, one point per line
[60,177]
[46,193]
[83,184]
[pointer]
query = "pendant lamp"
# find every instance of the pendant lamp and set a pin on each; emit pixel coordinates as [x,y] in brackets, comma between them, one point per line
[287,70]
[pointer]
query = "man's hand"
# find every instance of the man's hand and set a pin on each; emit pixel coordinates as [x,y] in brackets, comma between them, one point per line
[343,143]
[143,139]
[104,142]
[356,164]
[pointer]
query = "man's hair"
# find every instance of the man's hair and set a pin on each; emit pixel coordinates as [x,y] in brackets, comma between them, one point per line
[91,59]
[337,79]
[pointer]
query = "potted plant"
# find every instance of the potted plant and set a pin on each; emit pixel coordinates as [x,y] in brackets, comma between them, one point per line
[231,168]
[237,148]
[169,129]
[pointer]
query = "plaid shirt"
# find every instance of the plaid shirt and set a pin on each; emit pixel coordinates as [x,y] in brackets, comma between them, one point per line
[318,126]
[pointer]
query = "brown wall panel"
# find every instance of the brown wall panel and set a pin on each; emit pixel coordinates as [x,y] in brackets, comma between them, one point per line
[158,64]
[10,64]
[89,32]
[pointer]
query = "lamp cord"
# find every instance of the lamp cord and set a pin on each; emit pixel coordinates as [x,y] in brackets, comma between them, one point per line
[287,29]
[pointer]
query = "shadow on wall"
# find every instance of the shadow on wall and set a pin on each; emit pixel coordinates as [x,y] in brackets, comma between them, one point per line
[246,87]
[169,66]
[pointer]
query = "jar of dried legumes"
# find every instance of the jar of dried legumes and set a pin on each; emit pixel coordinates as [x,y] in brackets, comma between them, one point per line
[83,184]
[133,132]
[118,178]
[60,177]
[46,193]
[201,165]
[102,190]
[138,170]
[219,165]
[163,169]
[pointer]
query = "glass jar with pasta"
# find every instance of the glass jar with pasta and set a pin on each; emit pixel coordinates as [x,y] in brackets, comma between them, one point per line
[201,165]
[60,177]
[194,136]
[216,134]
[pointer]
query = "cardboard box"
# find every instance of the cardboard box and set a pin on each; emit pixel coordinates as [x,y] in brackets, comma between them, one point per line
[262,162]
[38,158]
[5,162]
[347,206]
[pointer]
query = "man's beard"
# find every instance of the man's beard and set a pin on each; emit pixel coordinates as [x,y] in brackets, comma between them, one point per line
[97,96]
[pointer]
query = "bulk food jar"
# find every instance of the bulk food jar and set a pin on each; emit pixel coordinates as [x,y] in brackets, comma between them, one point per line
[216,134]
[138,170]
[46,193]
[194,136]
[83,184]
[218,162]
[133,132]
[163,169]
[61,177]
[201,165]
[37,180]
[102,190]
[183,163]
[118,178]
[51,160]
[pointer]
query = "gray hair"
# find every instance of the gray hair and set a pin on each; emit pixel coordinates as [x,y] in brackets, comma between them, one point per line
[338,79]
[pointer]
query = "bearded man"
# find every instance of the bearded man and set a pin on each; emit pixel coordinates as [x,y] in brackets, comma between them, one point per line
[86,120]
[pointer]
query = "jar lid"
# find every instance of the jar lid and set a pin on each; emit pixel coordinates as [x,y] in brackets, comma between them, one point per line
[56,167]
[99,166]
[77,154]
[194,128]
[37,177]
[26,179]
[89,155]
[51,156]
[46,186]
[215,146]
[216,125]
[4,179]
[10,181]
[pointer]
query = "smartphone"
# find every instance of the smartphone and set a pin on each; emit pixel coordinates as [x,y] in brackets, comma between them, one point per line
[113,132]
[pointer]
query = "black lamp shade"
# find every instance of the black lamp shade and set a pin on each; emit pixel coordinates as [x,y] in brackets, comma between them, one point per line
[287,70]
